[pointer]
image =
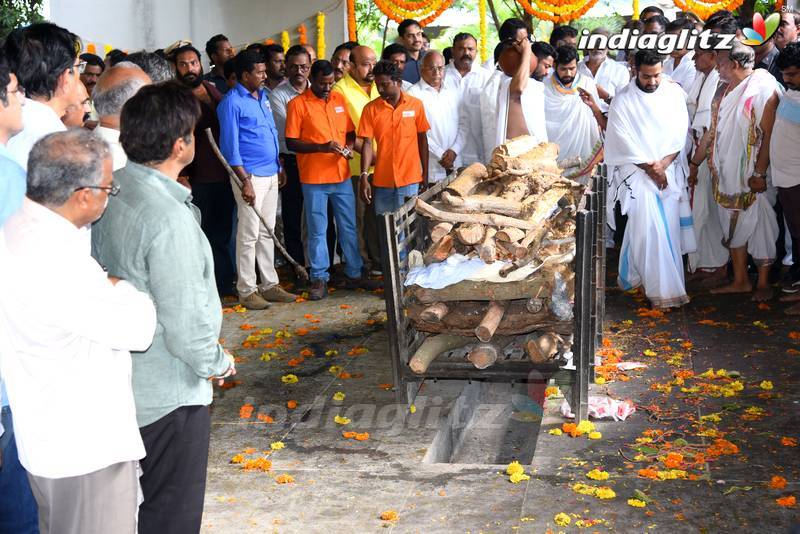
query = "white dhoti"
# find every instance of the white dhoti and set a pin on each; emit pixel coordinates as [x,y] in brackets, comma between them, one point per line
[756,228]
[710,253]
[571,123]
[495,103]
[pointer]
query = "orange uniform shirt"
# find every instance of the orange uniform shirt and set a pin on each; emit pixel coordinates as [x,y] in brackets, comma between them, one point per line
[314,120]
[395,130]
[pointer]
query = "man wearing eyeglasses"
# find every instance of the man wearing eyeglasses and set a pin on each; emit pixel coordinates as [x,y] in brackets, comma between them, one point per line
[45,59]
[68,372]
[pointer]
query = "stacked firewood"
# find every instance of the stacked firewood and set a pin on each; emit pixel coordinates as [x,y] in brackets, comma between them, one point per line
[519,209]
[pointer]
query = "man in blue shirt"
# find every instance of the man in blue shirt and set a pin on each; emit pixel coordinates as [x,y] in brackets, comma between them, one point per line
[18,511]
[249,141]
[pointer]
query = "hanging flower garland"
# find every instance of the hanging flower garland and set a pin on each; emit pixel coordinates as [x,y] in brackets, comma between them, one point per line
[425,12]
[778,6]
[351,20]
[320,34]
[285,41]
[303,33]
[635,10]
[557,11]
[482,26]
[706,9]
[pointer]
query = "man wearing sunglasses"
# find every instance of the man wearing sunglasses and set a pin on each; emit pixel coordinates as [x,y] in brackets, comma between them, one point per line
[45,59]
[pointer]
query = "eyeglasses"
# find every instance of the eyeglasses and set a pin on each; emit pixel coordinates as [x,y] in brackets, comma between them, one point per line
[112,189]
[434,69]
[301,68]
[81,66]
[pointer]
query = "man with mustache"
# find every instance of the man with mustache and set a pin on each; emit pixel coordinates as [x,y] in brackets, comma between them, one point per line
[341,59]
[211,189]
[647,125]
[609,76]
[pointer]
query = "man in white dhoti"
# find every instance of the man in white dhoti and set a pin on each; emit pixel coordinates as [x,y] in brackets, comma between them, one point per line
[646,132]
[743,114]
[441,110]
[711,256]
[512,103]
[573,118]
[467,77]
[680,64]
[609,76]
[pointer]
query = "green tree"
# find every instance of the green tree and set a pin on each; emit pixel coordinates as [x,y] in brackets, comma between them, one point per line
[16,13]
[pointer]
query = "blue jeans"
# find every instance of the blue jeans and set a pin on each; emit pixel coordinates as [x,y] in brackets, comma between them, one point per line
[388,199]
[343,202]
[18,511]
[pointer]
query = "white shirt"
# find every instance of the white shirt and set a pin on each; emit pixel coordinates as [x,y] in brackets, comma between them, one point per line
[111,136]
[405,86]
[441,110]
[784,156]
[469,88]
[68,372]
[684,73]
[38,120]
[279,99]
[611,76]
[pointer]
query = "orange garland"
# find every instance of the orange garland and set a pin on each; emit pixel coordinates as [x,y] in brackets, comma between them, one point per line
[303,33]
[425,14]
[351,20]
[557,11]
[706,9]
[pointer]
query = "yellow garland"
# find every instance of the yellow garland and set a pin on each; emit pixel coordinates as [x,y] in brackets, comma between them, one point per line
[285,42]
[635,10]
[351,20]
[427,13]
[555,9]
[482,26]
[706,9]
[320,35]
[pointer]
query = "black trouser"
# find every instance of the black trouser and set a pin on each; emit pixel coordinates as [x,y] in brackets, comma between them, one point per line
[292,213]
[789,198]
[174,479]
[216,204]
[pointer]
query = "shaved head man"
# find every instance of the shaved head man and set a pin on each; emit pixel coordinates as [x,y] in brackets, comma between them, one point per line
[363,59]
[433,69]
[115,87]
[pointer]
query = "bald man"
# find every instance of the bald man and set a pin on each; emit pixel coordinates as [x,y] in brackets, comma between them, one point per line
[113,89]
[441,109]
[358,88]
[312,53]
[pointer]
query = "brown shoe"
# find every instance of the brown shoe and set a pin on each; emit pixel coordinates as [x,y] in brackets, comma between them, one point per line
[319,290]
[277,294]
[365,283]
[253,301]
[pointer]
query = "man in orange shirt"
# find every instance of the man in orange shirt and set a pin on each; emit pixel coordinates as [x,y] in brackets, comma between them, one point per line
[397,122]
[320,131]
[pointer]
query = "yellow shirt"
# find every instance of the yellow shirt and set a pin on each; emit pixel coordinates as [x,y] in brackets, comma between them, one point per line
[355,99]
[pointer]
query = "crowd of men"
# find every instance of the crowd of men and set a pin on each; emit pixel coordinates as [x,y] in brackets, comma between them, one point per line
[107,171]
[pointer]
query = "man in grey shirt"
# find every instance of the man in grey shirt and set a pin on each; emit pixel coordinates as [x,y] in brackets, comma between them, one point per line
[150,236]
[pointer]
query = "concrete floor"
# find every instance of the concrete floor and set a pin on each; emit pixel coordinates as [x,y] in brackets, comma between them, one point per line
[343,485]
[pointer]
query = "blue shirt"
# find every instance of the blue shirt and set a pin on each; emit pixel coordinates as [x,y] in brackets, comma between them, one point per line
[12,185]
[247,135]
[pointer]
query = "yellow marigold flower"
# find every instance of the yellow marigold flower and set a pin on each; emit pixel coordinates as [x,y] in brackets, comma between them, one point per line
[594,435]
[599,380]
[284,479]
[648,352]
[390,515]
[583,489]
[550,391]
[412,409]
[516,478]
[338,396]
[514,467]
[555,431]
[238,459]
[585,427]
[335,369]
[265,331]
[332,352]
[766,385]
[341,420]
[289,379]
[277,445]
[596,474]
[562,519]
[737,385]
[714,418]
[636,503]
[605,493]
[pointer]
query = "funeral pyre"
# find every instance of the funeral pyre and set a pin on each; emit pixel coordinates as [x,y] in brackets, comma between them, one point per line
[499,270]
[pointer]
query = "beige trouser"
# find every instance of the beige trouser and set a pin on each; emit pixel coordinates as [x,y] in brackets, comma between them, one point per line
[253,244]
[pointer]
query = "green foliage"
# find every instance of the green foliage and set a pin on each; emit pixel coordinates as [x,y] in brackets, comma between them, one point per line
[613,23]
[15,13]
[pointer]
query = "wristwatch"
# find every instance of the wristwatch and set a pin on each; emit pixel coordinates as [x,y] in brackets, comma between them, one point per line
[759,174]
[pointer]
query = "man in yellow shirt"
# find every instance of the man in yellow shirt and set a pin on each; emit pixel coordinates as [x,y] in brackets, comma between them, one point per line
[358,88]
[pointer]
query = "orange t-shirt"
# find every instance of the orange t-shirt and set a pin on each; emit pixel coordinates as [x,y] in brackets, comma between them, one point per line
[314,120]
[395,130]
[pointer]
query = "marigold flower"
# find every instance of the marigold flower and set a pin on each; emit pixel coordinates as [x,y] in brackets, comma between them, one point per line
[246,411]
[344,375]
[562,520]
[335,369]
[284,479]
[362,436]
[412,409]
[673,460]
[777,482]
[387,387]
[301,331]
[555,431]
[246,326]
[388,515]
[332,352]
[292,404]
[648,352]
[765,385]
[356,351]
[594,435]
[306,353]
[238,459]
[340,420]
[289,379]
[277,445]
[349,434]
[794,335]
[599,380]
[338,396]
[265,418]
[788,502]
[257,464]
[550,391]
[648,473]
[596,474]
[789,442]
[605,493]
[294,362]
[636,503]
[514,467]
[516,478]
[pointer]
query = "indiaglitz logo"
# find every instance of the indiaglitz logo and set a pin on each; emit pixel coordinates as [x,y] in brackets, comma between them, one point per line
[762,29]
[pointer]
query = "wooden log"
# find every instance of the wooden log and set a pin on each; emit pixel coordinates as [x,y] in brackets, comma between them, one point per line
[440,230]
[432,347]
[510,235]
[468,180]
[484,355]
[439,251]
[487,250]
[486,219]
[467,316]
[534,305]
[470,233]
[494,314]
[538,285]
[482,204]
[541,349]
[435,312]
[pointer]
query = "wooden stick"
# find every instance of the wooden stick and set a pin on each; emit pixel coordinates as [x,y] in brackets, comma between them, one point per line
[432,347]
[484,355]
[541,349]
[485,331]
[487,250]
[482,204]
[474,290]
[468,180]
[440,230]
[470,233]
[298,269]
[435,312]
[439,251]
[511,234]
[487,219]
